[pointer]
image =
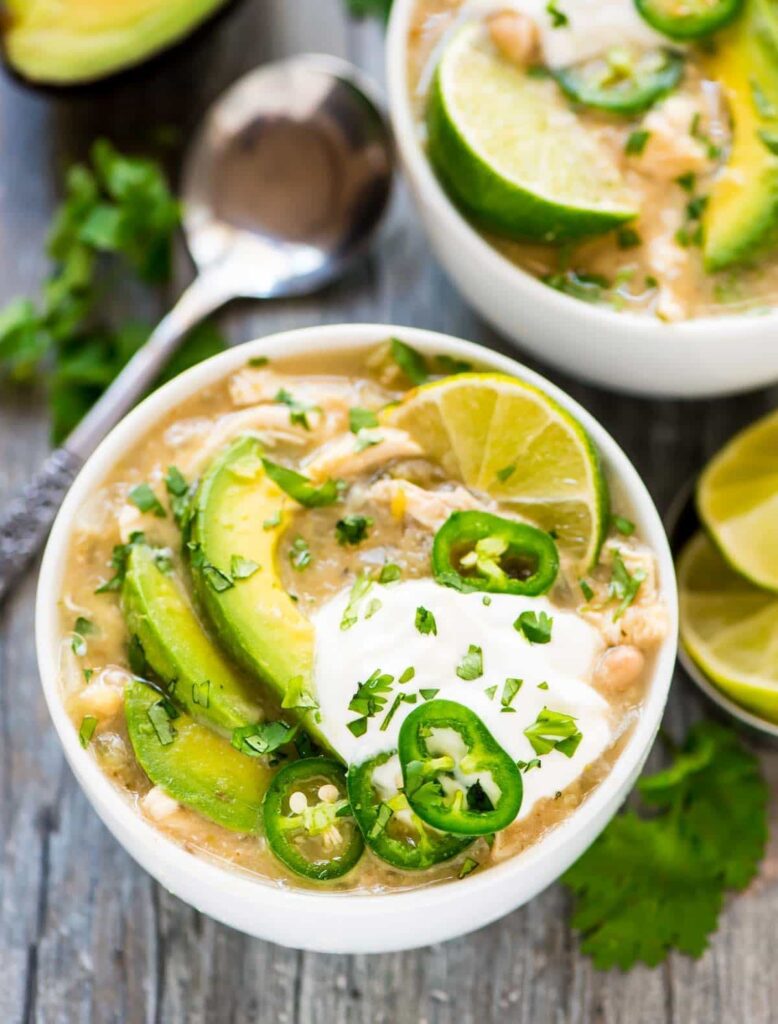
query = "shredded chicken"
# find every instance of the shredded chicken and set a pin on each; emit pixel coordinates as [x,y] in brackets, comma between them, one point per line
[644,624]
[104,695]
[429,508]
[671,149]
[342,457]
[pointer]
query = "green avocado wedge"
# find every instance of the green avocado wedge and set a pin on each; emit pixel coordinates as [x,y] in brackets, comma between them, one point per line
[193,764]
[240,514]
[741,218]
[164,627]
[69,42]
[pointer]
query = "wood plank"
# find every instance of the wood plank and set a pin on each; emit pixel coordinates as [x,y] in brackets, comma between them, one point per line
[85,936]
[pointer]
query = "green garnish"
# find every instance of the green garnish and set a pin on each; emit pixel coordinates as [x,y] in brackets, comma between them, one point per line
[412,363]
[706,834]
[468,865]
[119,556]
[510,688]
[300,554]
[425,622]
[401,698]
[359,590]
[298,410]
[178,493]
[87,730]
[300,488]
[506,472]
[636,142]
[687,181]
[369,699]
[558,18]
[373,606]
[554,730]
[527,766]
[407,675]
[361,419]
[450,366]
[298,695]
[542,686]
[159,716]
[201,693]
[623,586]
[490,691]
[623,525]
[242,568]
[712,150]
[81,628]
[472,665]
[382,820]
[535,627]
[627,238]
[486,600]
[272,521]
[257,361]
[586,590]
[366,440]
[262,738]
[389,573]
[216,579]
[144,498]
[429,694]
[352,529]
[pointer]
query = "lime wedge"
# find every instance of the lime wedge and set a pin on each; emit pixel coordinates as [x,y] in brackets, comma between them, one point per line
[511,441]
[737,499]
[513,154]
[730,628]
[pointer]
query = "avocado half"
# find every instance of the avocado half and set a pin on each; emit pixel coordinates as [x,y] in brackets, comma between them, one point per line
[68,42]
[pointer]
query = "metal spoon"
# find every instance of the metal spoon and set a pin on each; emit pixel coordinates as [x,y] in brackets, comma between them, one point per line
[283,186]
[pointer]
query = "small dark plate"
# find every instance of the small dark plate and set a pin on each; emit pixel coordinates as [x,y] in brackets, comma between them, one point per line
[681,523]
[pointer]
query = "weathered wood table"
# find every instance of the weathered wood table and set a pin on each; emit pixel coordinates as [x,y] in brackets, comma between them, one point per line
[85,935]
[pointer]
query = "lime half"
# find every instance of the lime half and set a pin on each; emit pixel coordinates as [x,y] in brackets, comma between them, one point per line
[730,628]
[737,499]
[511,441]
[511,152]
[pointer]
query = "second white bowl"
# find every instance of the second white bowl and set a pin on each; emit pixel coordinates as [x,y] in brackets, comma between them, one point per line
[625,351]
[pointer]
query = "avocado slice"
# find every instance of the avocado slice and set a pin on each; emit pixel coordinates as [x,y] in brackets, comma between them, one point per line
[64,42]
[193,764]
[164,627]
[741,219]
[238,512]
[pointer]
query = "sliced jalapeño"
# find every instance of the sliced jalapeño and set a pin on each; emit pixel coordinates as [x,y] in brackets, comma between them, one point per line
[623,80]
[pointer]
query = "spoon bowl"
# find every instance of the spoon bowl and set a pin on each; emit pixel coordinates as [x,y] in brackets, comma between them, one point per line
[288,177]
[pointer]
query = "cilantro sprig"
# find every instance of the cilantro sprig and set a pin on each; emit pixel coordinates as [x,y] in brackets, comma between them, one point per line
[707,834]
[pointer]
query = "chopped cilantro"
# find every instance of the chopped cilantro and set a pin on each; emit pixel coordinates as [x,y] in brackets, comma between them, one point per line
[687,181]
[389,573]
[558,18]
[472,665]
[215,578]
[490,691]
[535,627]
[358,727]
[201,693]
[272,521]
[300,488]
[258,361]
[121,553]
[373,606]
[262,738]
[361,419]
[359,590]
[510,688]
[178,492]
[242,568]
[370,698]
[429,694]
[623,586]
[298,695]
[87,730]
[352,529]
[623,525]
[401,698]
[144,498]
[553,730]
[706,834]
[450,366]
[469,864]
[159,716]
[627,238]
[298,410]
[366,440]
[506,472]
[527,766]
[407,675]
[636,142]
[586,590]
[425,622]
[300,554]
[412,363]
[382,820]
[542,686]
[486,600]
[580,285]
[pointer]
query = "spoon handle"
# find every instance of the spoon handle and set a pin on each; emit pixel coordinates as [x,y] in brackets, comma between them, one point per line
[29,516]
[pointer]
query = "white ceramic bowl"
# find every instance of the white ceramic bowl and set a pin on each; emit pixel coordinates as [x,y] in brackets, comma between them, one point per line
[625,351]
[322,921]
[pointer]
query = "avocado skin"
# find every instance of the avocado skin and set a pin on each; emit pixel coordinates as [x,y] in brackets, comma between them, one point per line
[256,619]
[179,652]
[199,768]
[741,219]
[73,77]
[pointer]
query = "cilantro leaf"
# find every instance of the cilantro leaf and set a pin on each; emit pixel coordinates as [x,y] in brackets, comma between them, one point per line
[262,738]
[425,622]
[145,500]
[472,664]
[412,363]
[352,529]
[675,867]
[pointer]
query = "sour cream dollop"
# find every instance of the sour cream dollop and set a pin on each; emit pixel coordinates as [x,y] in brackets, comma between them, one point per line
[555,675]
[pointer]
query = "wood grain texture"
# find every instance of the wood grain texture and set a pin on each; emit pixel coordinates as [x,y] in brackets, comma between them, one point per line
[85,936]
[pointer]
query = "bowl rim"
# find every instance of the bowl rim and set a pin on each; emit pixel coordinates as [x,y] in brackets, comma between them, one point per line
[633,326]
[135,833]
